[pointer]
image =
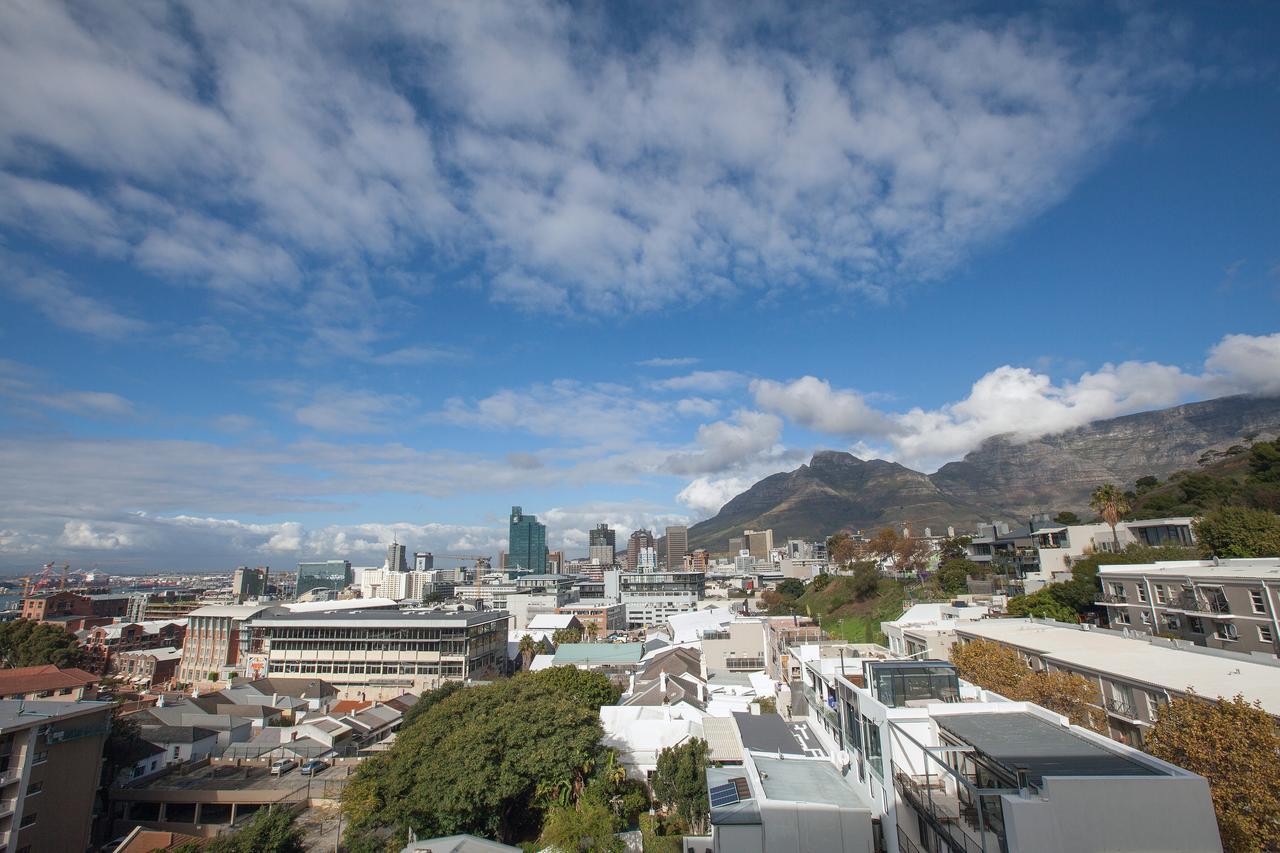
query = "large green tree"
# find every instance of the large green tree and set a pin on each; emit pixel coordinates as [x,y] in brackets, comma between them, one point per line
[1233,744]
[953,575]
[24,642]
[589,689]
[1239,532]
[487,760]
[680,781]
[271,830]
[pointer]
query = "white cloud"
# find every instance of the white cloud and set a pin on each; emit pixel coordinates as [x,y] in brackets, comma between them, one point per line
[667,362]
[63,305]
[708,381]
[704,159]
[83,535]
[1246,363]
[811,402]
[1022,403]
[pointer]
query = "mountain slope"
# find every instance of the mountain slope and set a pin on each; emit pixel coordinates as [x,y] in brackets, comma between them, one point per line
[1003,478]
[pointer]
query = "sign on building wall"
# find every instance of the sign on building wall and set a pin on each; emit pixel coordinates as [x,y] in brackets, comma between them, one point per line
[256,666]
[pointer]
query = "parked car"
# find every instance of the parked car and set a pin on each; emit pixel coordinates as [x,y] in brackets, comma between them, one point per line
[313,766]
[283,766]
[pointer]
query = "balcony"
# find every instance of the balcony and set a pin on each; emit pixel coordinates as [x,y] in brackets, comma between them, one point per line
[1122,707]
[7,807]
[1202,603]
[940,805]
[1112,598]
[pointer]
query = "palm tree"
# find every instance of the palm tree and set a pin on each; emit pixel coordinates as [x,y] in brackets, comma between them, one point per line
[1109,502]
[528,648]
[592,630]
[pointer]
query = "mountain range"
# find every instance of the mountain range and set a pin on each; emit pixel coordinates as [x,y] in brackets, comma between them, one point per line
[1004,478]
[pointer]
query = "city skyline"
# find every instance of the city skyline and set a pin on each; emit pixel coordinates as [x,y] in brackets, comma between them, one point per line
[690,248]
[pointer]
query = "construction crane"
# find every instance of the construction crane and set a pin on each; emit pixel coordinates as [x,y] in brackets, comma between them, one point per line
[481,562]
[45,578]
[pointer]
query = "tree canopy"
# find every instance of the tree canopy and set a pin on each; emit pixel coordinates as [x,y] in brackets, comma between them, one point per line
[24,642]
[1111,503]
[953,574]
[1233,744]
[487,760]
[680,781]
[998,668]
[1239,532]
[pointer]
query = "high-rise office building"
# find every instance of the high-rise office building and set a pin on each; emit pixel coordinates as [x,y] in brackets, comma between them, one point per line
[528,542]
[333,575]
[555,562]
[677,547]
[640,539]
[396,558]
[423,561]
[247,583]
[759,542]
[602,545]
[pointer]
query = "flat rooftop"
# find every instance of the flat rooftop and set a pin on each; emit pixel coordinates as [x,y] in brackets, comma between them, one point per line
[1265,568]
[771,733]
[383,618]
[19,713]
[1137,660]
[1022,741]
[806,780]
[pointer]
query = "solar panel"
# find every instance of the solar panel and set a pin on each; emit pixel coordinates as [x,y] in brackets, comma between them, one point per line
[723,795]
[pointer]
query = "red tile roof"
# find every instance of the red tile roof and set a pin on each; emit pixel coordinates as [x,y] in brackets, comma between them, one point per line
[34,679]
[347,706]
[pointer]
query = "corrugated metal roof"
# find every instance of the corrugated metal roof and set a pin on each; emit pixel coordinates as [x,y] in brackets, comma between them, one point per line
[722,738]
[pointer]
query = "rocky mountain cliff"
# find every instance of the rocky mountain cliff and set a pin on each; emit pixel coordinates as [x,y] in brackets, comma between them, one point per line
[1003,478]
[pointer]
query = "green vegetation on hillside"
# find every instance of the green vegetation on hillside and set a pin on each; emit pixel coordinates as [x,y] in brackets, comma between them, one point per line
[1242,477]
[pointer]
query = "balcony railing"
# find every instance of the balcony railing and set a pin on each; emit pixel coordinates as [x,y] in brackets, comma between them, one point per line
[1112,598]
[942,810]
[1203,603]
[1122,707]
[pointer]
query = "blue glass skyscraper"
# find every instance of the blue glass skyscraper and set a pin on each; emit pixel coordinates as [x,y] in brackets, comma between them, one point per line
[528,543]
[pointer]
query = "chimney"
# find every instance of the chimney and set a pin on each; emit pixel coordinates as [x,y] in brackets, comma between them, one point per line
[662,682]
[631,684]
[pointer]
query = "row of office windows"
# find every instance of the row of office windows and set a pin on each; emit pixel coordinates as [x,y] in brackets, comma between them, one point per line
[376,633]
[448,647]
[299,668]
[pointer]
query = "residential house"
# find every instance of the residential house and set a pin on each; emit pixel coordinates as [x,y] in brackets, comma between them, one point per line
[68,684]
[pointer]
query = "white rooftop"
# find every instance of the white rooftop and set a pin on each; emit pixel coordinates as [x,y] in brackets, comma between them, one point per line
[551,621]
[343,604]
[235,611]
[685,627]
[1240,569]
[1138,660]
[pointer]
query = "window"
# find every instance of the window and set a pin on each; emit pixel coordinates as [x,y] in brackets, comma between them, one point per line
[1259,600]
[1142,593]
[28,819]
[1225,631]
[35,788]
[1196,624]
[1173,623]
[1153,706]
[1160,599]
[40,757]
[1146,618]
[1264,634]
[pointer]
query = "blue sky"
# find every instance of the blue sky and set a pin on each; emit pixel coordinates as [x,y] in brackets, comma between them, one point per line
[292,282]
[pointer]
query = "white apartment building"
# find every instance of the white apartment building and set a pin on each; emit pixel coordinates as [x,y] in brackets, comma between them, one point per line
[928,629]
[1056,545]
[1136,673]
[1222,604]
[948,767]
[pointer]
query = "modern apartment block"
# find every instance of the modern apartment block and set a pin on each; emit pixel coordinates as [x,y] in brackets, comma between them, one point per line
[377,654]
[948,767]
[1057,545]
[651,597]
[247,583]
[50,753]
[1223,604]
[1136,674]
